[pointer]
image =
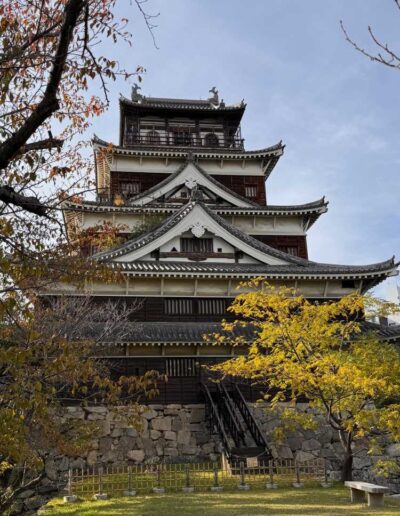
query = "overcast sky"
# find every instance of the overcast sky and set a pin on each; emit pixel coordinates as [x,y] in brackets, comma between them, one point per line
[337,112]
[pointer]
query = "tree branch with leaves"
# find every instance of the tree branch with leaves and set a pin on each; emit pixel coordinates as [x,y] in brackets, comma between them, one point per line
[319,352]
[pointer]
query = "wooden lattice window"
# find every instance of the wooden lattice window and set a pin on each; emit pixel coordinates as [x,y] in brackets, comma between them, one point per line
[211,306]
[288,249]
[153,138]
[131,131]
[211,140]
[183,137]
[130,188]
[178,306]
[196,245]
[292,250]
[180,367]
[250,191]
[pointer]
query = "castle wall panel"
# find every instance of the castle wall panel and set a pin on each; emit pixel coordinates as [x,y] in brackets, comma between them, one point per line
[239,183]
[286,241]
[146,181]
[177,389]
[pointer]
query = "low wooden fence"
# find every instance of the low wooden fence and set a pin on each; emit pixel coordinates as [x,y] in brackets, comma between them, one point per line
[158,478]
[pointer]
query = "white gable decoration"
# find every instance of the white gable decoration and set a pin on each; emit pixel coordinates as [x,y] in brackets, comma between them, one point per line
[191,176]
[198,229]
[196,220]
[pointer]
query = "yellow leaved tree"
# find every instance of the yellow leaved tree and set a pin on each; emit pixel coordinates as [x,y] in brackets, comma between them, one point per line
[322,352]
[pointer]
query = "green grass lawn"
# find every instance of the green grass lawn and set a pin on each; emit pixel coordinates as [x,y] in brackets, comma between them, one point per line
[285,501]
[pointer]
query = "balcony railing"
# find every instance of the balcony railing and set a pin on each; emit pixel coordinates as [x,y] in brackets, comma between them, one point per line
[183,140]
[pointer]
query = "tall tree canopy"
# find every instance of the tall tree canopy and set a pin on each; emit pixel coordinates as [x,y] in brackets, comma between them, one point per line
[50,61]
[319,352]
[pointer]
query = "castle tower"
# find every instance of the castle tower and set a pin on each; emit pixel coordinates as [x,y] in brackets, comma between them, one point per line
[181,174]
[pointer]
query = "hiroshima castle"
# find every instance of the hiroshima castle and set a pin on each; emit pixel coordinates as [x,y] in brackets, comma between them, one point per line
[193,204]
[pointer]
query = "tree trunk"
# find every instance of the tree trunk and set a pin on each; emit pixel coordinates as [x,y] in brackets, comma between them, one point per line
[347,467]
[346,439]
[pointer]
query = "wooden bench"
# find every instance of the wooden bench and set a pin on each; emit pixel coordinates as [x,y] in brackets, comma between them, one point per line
[374,492]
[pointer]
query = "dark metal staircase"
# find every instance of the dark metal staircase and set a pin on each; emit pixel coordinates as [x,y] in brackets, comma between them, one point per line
[230,417]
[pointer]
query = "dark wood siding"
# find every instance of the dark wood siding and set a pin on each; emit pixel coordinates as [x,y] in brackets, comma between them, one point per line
[283,242]
[239,183]
[176,389]
[154,309]
[146,180]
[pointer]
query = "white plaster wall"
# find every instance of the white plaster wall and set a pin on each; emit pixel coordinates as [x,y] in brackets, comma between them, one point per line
[200,287]
[212,287]
[251,167]
[150,286]
[178,287]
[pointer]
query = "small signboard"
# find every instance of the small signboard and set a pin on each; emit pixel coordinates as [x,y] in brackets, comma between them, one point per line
[252,462]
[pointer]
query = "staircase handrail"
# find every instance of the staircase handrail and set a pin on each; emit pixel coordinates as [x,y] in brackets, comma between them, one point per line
[248,417]
[229,417]
[216,420]
[233,409]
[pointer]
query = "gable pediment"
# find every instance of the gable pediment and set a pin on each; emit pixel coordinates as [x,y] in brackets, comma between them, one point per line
[196,221]
[189,178]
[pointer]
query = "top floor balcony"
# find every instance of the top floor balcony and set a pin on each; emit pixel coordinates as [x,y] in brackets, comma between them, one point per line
[182,138]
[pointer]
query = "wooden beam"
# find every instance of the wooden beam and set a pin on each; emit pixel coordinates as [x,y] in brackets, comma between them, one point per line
[326,288]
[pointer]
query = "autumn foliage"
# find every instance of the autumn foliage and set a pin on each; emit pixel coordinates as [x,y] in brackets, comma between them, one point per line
[50,62]
[321,352]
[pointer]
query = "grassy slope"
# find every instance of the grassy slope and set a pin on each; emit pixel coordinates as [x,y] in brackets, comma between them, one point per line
[284,502]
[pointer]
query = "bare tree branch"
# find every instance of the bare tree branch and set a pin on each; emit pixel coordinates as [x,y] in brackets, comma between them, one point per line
[385,54]
[49,103]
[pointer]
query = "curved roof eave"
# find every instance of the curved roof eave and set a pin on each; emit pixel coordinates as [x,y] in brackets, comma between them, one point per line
[319,271]
[184,104]
[294,266]
[319,206]
[181,152]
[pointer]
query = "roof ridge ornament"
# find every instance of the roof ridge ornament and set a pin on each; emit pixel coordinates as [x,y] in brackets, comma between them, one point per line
[214,98]
[135,95]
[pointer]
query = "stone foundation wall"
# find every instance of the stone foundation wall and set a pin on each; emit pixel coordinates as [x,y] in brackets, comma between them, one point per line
[324,442]
[168,433]
[178,433]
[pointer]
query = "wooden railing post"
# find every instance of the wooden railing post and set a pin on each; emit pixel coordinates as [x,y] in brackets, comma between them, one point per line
[159,489]
[70,498]
[325,482]
[130,491]
[216,487]
[242,486]
[100,495]
[187,488]
[271,484]
[297,483]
